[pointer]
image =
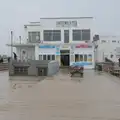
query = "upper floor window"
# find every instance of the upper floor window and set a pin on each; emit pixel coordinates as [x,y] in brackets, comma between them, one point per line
[34,37]
[86,34]
[66,36]
[81,35]
[114,41]
[103,41]
[52,35]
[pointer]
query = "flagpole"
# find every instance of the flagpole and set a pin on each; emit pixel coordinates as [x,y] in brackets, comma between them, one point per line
[11,43]
[20,47]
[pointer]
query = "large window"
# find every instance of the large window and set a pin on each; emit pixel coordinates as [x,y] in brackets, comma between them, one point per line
[85,58]
[52,35]
[114,41]
[86,34]
[40,57]
[44,57]
[77,35]
[81,58]
[103,41]
[47,57]
[81,35]
[78,58]
[66,36]
[53,57]
[34,37]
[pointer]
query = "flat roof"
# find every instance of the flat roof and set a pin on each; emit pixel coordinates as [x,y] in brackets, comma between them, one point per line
[44,44]
[21,45]
[67,18]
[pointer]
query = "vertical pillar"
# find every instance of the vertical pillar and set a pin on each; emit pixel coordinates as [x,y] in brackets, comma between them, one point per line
[58,54]
[70,35]
[41,35]
[72,56]
[62,35]
[36,52]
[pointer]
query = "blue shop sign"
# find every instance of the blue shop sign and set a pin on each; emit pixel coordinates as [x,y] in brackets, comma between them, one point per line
[46,46]
[81,63]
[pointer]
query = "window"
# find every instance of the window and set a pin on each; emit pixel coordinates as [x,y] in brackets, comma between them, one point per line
[76,58]
[52,35]
[81,57]
[103,41]
[85,57]
[34,37]
[114,41]
[77,35]
[66,36]
[86,34]
[53,57]
[48,57]
[44,57]
[40,57]
[89,58]
[81,35]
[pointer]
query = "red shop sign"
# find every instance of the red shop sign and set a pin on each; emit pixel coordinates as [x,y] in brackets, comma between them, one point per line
[82,46]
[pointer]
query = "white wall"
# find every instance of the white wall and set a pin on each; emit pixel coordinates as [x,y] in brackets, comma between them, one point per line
[108,47]
[31,28]
[49,24]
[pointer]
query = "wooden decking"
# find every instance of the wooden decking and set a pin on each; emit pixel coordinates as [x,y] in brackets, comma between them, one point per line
[112,69]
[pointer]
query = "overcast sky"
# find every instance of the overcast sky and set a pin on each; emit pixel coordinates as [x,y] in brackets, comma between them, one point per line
[15,13]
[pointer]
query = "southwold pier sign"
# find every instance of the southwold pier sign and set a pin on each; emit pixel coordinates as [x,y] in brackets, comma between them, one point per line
[66,23]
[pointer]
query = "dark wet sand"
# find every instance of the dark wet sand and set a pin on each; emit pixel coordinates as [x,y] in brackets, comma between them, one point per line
[94,97]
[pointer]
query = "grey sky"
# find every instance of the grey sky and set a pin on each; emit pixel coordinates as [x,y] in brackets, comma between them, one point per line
[15,13]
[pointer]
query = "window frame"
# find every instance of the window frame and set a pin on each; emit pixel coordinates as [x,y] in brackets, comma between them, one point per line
[52,35]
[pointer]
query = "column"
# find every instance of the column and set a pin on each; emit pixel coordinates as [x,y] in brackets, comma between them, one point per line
[41,35]
[58,54]
[62,35]
[36,52]
[70,35]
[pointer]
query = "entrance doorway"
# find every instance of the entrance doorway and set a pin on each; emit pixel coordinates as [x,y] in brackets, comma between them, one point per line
[65,57]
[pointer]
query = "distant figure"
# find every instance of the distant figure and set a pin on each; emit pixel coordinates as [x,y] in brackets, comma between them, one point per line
[15,56]
[119,61]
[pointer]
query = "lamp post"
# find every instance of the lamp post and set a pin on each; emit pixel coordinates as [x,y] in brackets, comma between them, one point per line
[11,43]
[95,43]
[20,47]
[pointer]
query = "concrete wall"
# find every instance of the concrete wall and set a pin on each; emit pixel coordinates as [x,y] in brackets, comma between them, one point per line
[53,68]
[107,46]
[33,65]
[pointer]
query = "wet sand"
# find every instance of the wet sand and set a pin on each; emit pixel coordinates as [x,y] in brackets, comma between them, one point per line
[94,97]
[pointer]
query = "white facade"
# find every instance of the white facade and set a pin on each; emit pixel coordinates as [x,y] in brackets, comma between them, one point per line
[74,51]
[109,45]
